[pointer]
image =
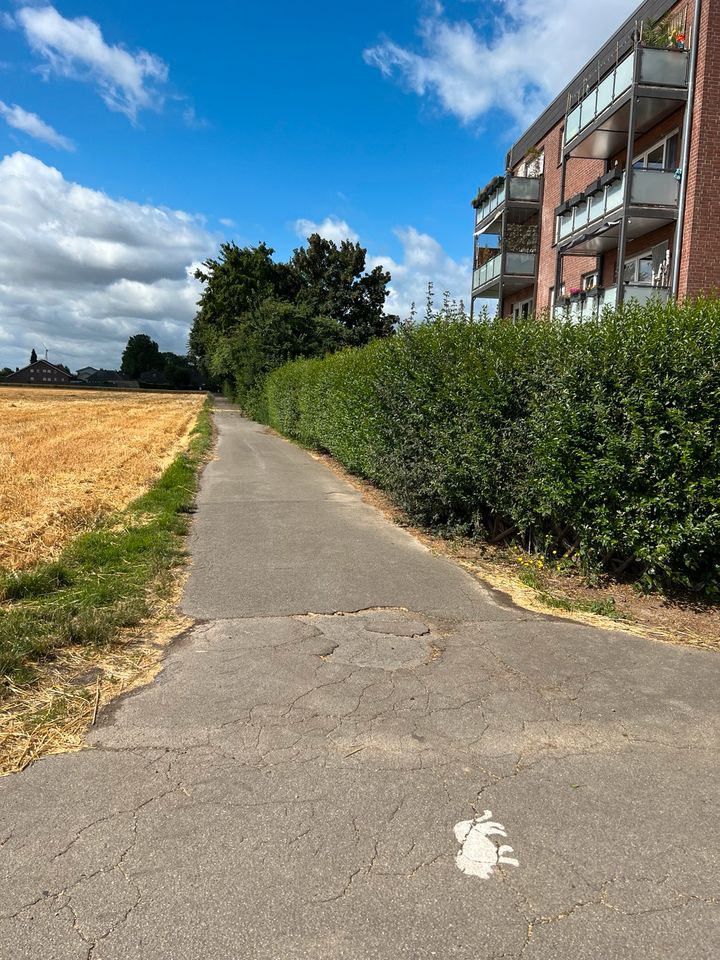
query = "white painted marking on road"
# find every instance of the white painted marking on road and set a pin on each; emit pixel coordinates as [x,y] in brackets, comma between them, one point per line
[479,855]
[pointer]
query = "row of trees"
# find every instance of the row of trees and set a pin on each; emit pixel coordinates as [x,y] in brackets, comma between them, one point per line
[142,354]
[255,314]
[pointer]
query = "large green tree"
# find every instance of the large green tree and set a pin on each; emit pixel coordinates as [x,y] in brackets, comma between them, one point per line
[140,355]
[254,313]
[332,281]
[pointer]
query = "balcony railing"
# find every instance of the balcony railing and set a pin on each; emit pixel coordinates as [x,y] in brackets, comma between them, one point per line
[658,68]
[520,189]
[516,265]
[648,188]
[641,293]
[591,306]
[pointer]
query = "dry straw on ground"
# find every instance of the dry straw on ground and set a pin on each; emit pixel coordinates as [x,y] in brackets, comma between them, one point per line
[69,457]
[54,714]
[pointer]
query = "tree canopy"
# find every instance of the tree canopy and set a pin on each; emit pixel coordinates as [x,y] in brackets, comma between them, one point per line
[255,314]
[140,354]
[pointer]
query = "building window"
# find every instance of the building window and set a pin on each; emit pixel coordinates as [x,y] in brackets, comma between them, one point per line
[590,281]
[663,155]
[639,269]
[522,309]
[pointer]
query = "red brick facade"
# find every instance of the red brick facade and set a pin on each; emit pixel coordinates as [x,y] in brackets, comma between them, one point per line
[700,253]
[700,262]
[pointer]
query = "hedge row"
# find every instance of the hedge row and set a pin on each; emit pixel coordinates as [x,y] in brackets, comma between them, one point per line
[599,438]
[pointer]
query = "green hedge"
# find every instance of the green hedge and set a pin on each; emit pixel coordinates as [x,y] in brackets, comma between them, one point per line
[600,437]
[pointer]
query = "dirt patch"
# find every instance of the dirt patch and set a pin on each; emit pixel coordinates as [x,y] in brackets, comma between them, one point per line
[563,593]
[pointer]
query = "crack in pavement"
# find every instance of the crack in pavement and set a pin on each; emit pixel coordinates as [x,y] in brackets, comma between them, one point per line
[289,784]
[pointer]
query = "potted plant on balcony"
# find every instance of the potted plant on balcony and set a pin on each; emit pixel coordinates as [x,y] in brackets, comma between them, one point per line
[576,295]
[533,163]
[663,34]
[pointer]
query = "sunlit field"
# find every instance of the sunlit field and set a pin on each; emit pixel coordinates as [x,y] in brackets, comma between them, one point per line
[68,458]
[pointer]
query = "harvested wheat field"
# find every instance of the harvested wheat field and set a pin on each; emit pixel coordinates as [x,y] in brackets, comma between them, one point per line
[70,457]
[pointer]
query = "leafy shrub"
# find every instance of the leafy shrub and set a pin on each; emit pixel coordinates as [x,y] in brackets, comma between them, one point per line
[602,435]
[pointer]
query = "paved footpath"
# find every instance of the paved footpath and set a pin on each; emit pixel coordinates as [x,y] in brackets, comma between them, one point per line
[309,777]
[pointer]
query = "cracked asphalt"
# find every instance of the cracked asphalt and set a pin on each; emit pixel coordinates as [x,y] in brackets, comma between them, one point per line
[289,786]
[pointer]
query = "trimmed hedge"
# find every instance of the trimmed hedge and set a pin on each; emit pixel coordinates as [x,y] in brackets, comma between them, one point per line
[599,437]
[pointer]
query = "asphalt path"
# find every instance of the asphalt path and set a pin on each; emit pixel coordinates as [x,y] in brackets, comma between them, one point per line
[359,751]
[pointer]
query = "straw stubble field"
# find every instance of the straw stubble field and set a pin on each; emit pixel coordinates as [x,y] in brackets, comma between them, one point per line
[68,458]
[84,619]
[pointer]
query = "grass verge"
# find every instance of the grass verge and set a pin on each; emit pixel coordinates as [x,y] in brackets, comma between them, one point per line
[71,627]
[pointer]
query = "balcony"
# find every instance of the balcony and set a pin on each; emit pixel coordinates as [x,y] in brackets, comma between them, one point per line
[520,193]
[589,306]
[590,223]
[598,126]
[517,272]
[635,292]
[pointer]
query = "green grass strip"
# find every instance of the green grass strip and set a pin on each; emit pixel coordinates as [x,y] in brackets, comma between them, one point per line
[106,579]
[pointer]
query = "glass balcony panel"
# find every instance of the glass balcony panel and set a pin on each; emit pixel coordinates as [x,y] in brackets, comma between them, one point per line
[614,195]
[609,298]
[664,68]
[581,215]
[572,124]
[624,73]
[596,205]
[600,98]
[588,110]
[491,204]
[605,93]
[643,293]
[654,188]
[488,271]
[592,209]
[520,264]
[525,188]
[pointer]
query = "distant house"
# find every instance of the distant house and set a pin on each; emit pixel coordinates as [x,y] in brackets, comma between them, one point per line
[110,378]
[153,378]
[40,372]
[84,373]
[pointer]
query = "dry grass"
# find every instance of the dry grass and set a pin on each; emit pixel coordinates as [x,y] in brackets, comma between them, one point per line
[53,715]
[69,457]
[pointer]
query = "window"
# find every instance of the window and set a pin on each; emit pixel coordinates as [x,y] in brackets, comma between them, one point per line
[590,281]
[661,156]
[639,269]
[522,309]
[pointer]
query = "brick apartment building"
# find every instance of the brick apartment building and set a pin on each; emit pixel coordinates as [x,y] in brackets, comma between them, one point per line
[571,216]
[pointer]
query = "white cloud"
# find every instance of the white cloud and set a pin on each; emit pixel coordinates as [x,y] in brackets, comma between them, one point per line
[34,126]
[227,222]
[424,261]
[330,228]
[127,82]
[514,62]
[81,271]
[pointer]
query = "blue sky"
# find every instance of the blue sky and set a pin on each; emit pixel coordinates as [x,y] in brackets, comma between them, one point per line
[137,136]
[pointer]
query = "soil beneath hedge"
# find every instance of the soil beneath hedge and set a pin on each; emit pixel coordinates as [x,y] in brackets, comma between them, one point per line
[560,592]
